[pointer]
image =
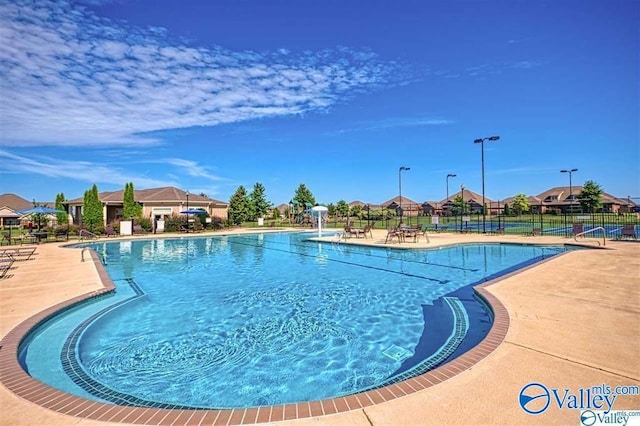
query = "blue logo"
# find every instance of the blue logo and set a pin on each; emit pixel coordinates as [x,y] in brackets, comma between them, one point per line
[588,418]
[534,398]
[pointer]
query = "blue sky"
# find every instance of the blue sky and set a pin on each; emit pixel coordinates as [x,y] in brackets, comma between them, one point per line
[210,95]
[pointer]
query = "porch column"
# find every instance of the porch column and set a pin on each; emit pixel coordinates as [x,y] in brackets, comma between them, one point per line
[104,214]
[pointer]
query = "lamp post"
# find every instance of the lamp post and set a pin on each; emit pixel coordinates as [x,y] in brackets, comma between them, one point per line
[570,187]
[400,187]
[448,176]
[188,223]
[462,207]
[481,142]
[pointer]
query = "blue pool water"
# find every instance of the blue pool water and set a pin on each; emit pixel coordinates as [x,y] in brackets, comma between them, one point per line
[251,320]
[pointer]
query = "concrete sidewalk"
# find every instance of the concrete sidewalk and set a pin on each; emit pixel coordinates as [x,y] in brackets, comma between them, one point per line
[575,323]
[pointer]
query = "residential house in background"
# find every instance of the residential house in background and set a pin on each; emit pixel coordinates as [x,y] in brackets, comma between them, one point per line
[11,204]
[157,203]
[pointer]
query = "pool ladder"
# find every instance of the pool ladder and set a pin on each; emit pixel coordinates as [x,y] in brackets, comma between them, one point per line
[604,237]
[102,257]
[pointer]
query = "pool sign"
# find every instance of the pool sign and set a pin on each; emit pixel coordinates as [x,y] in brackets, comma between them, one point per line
[466,218]
[434,220]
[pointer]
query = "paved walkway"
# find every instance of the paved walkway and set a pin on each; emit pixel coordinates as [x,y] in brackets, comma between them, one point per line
[575,323]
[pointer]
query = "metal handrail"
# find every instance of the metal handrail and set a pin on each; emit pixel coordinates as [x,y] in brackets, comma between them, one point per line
[604,235]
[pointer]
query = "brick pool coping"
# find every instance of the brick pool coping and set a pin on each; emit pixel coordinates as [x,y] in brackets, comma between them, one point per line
[14,378]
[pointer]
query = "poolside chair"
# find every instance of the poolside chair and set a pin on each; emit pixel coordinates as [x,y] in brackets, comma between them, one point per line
[391,234]
[137,230]
[536,232]
[62,234]
[18,253]
[578,228]
[497,231]
[367,230]
[628,231]
[110,232]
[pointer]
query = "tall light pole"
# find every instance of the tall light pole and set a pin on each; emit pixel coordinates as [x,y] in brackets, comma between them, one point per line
[448,176]
[570,187]
[481,142]
[188,223]
[462,207]
[400,186]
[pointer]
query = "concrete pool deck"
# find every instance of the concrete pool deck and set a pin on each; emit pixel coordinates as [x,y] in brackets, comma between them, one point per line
[574,323]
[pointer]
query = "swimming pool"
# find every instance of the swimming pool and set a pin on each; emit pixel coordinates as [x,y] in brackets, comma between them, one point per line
[256,320]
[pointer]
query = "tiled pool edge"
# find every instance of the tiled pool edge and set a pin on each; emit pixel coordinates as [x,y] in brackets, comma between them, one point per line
[14,378]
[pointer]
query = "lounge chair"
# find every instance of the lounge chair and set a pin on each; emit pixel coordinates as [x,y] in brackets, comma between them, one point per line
[18,253]
[6,262]
[183,229]
[110,232]
[628,231]
[498,231]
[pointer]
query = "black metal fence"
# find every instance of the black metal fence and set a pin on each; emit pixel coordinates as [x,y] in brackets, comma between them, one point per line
[563,225]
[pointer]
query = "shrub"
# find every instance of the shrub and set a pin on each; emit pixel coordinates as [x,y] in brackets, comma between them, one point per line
[173,223]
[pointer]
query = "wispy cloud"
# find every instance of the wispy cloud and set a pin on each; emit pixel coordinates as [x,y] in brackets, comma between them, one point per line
[193,168]
[393,123]
[524,171]
[84,171]
[68,77]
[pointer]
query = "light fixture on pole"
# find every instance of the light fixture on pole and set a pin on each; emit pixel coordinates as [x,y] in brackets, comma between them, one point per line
[481,142]
[400,187]
[448,176]
[570,187]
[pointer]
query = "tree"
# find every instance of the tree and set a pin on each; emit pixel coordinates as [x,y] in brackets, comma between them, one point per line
[459,206]
[258,204]
[591,196]
[342,208]
[507,209]
[130,208]
[92,209]
[520,204]
[239,206]
[356,210]
[331,209]
[303,196]
[62,218]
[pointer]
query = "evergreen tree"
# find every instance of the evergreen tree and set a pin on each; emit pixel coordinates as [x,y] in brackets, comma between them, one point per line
[342,208]
[239,206]
[459,206]
[258,202]
[507,210]
[92,209]
[591,196]
[304,196]
[130,208]
[520,204]
[62,218]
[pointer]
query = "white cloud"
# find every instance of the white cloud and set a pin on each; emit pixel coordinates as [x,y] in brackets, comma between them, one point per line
[68,77]
[84,171]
